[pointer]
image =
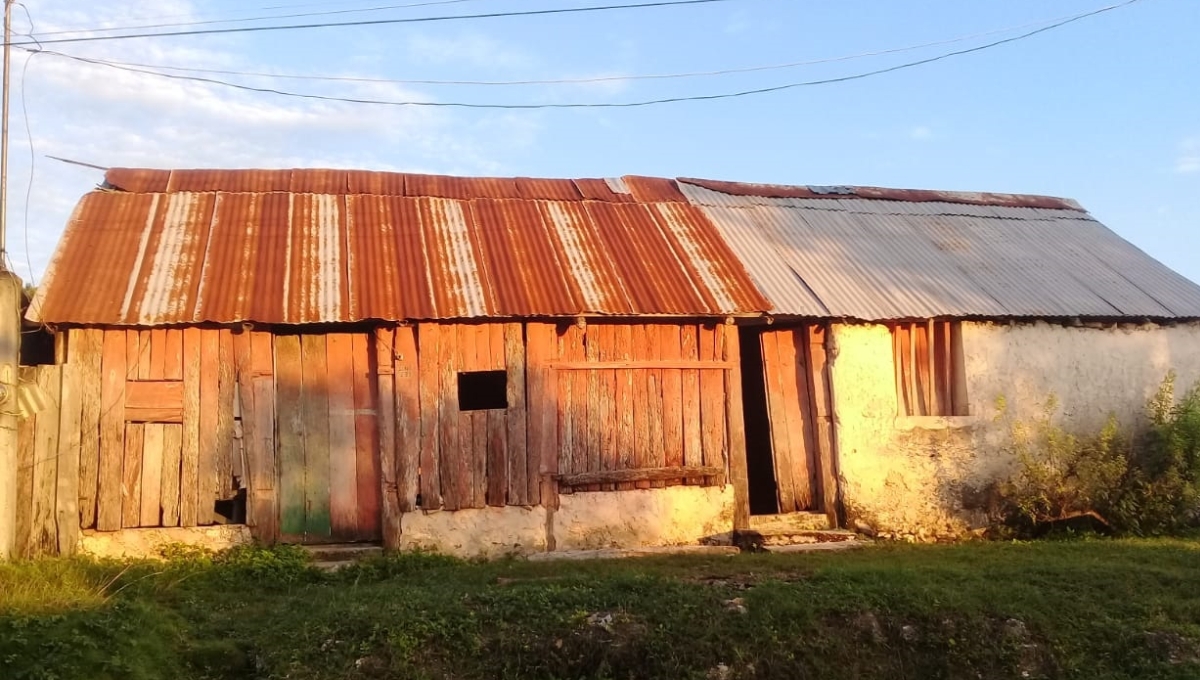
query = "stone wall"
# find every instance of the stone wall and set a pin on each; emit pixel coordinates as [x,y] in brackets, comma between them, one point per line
[910,476]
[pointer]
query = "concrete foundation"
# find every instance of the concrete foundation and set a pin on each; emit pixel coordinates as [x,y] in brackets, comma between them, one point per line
[145,543]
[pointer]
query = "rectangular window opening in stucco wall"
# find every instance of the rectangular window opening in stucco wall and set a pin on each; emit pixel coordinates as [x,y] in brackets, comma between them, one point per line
[930,376]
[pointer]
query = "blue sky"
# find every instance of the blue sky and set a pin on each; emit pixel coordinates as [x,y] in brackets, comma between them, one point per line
[1105,110]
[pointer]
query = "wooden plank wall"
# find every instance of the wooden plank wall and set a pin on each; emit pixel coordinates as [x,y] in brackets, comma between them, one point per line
[446,458]
[793,419]
[155,441]
[648,398]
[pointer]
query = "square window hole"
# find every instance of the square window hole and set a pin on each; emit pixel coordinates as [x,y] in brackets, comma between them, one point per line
[482,390]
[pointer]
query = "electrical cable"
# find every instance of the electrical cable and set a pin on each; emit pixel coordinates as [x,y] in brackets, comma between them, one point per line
[593,79]
[380,22]
[260,18]
[609,105]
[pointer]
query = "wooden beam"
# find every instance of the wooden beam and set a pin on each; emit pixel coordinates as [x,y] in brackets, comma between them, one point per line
[429,337]
[520,483]
[681,364]
[541,346]
[640,475]
[45,464]
[371,416]
[189,461]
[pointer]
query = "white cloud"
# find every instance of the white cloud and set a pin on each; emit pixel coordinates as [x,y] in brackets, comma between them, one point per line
[97,114]
[1189,156]
[920,133]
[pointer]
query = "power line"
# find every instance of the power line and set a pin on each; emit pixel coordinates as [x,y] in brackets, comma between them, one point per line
[610,105]
[593,79]
[383,8]
[377,22]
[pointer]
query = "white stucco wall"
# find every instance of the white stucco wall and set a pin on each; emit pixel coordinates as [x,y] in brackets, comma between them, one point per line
[146,543]
[482,532]
[673,515]
[908,476]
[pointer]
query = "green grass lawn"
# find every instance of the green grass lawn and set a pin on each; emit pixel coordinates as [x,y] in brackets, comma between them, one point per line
[1082,609]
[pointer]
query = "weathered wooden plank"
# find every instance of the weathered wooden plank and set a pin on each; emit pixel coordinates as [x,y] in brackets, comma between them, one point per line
[519,482]
[226,449]
[158,353]
[580,405]
[655,455]
[289,380]
[112,430]
[154,394]
[671,347]
[712,403]
[206,443]
[172,354]
[594,423]
[454,464]
[690,388]
[400,351]
[781,442]
[66,497]
[26,442]
[264,466]
[152,471]
[469,442]
[343,448]
[791,369]
[146,357]
[479,425]
[315,409]
[154,414]
[821,390]
[131,476]
[541,347]
[739,475]
[189,470]
[133,355]
[640,393]
[805,416]
[496,472]
[44,534]
[368,414]
[86,349]
[610,458]
[172,455]
[661,474]
[623,442]
[429,337]
[397,425]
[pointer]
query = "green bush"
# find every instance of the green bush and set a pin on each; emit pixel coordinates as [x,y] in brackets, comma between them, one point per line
[1148,484]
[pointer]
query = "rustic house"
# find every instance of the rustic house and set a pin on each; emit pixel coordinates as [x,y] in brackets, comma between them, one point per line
[484,366]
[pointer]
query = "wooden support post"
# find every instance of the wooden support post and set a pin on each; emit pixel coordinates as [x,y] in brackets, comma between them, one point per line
[67,498]
[387,411]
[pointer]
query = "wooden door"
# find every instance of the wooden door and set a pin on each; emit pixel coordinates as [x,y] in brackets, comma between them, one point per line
[328,438]
[792,418]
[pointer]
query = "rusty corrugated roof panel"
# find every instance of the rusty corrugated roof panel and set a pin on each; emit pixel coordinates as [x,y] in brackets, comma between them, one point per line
[328,246]
[883,194]
[875,259]
[297,247]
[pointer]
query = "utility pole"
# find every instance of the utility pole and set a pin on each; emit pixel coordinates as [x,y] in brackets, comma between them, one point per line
[11,290]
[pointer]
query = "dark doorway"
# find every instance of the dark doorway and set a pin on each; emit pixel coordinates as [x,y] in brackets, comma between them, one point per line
[760,465]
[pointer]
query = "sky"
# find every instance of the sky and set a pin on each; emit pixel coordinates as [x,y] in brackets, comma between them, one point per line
[1105,110]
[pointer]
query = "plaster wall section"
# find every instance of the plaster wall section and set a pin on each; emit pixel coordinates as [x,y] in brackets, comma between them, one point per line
[917,477]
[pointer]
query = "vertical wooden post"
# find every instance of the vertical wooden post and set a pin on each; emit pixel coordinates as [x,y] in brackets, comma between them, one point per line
[407,432]
[386,409]
[189,461]
[541,410]
[520,484]
[85,348]
[822,391]
[429,335]
[738,474]
[112,431]
[45,464]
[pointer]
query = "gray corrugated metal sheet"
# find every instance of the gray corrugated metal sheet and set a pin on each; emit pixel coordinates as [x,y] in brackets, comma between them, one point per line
[889,259]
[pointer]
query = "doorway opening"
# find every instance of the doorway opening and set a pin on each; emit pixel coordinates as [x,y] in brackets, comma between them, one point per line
[760,462]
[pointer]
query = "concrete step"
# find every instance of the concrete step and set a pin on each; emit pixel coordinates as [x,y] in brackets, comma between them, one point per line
[807,537]
[344,553]
[789,522]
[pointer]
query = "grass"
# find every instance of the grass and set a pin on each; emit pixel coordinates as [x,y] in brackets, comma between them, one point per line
[1079,609]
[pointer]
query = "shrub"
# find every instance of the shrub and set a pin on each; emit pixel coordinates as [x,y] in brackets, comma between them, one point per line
[1145,485]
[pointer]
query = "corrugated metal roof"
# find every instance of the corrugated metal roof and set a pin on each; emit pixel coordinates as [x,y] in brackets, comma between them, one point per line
[156,247]
[298,247]
[902,258]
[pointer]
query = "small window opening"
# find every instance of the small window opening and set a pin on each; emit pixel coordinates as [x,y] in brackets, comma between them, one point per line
[482,390]
[930,379]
